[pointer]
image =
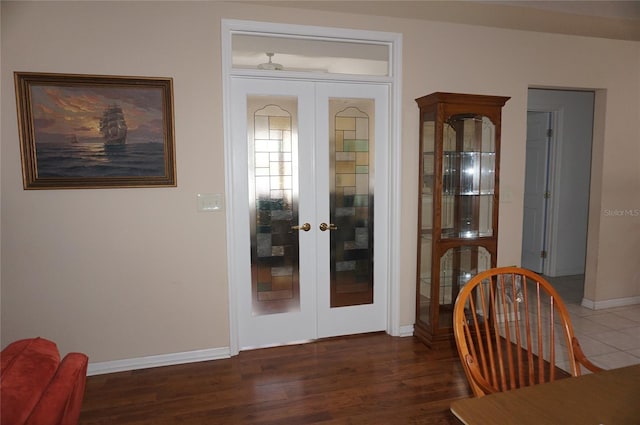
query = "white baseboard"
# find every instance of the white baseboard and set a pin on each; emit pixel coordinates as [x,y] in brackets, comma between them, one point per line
[177,358]
[616,302]
[156,361]
[406,330]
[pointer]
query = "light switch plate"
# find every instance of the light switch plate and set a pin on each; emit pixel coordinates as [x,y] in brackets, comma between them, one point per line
[208,202]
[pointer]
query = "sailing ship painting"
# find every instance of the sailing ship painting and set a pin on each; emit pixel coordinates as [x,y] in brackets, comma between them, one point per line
[113,126]
[97,131]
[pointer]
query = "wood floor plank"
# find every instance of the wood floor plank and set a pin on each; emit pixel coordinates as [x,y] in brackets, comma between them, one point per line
[361,379]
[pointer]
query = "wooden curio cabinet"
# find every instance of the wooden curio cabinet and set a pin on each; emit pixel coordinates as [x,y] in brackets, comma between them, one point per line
[458,203]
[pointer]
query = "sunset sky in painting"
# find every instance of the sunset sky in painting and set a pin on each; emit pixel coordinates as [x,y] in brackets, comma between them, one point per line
[62,112]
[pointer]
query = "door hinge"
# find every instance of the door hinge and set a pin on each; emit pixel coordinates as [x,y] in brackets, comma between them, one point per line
[547,195]
[550,132]
[543,254]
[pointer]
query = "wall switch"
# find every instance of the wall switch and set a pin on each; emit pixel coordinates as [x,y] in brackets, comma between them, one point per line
[208,202]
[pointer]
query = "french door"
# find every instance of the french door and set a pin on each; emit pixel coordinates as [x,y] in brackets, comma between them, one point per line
[309,160]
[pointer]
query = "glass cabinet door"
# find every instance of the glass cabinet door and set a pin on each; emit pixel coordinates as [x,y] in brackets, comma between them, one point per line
[457,266]
[468,176]
[427,164]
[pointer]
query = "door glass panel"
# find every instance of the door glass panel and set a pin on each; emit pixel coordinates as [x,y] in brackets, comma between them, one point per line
[351,200]
[272,136]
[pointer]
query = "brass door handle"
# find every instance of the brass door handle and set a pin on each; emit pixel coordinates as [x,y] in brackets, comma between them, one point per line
[330,226]
[306,227]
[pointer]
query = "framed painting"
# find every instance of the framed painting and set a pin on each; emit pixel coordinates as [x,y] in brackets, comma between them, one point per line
[93,131]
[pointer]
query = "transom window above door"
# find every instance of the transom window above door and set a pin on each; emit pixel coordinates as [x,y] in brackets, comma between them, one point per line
[308,54]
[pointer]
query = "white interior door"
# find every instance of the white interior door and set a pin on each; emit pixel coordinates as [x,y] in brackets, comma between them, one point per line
[305,156]
[535,191]
[351,151]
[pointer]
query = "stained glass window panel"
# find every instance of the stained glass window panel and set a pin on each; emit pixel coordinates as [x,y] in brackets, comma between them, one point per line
[351,152]
[273,188]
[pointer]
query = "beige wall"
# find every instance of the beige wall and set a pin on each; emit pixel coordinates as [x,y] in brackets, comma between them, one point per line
[130,273]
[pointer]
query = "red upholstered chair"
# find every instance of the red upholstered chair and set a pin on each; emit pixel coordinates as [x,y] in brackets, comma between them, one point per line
[37,388]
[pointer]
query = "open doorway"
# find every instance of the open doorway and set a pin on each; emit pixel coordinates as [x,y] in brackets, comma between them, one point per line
[557,181]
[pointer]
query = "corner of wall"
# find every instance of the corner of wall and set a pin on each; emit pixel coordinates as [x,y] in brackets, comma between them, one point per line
[595,195]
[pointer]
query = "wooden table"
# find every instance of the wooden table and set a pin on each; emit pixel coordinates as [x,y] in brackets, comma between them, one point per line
[611,397]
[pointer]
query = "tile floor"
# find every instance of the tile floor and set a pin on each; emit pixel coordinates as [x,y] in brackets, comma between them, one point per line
[610,338]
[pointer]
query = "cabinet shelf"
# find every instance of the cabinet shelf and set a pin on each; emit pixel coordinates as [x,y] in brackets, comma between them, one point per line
[470,193]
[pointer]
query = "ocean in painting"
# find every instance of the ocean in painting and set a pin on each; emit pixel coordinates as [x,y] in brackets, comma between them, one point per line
[98,160]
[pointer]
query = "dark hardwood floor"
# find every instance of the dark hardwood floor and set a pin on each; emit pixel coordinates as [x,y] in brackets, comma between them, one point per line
[363,379]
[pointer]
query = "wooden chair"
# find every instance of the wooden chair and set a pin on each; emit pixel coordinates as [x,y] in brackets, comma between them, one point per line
[513,330]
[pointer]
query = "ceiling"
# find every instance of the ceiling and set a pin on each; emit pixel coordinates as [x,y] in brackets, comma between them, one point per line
[596,18]
[604,9]
[606,19]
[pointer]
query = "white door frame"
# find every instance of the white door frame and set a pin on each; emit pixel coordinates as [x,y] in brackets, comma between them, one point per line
[562,113]
[228,27]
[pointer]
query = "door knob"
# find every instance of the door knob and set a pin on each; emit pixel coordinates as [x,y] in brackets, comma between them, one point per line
[306,227]
[330,226]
